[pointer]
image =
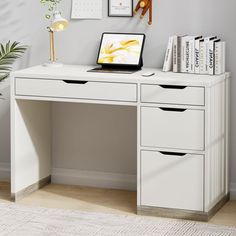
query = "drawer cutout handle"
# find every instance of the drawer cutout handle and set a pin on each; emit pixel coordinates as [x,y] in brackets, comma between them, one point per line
[173,154]
[173,86]
[173,109]
[1,97]
[75,81]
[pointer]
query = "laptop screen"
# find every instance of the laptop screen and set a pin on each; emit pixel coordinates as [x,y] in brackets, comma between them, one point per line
[121,49]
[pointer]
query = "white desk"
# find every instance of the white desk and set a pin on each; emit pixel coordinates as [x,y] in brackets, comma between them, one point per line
[182,130]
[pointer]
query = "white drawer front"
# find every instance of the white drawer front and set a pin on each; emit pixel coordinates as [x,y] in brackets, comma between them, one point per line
[76,89]
[172,128]
[172,181]
[172,94]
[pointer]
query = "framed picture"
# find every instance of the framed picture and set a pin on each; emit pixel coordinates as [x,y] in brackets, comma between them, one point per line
[120,8]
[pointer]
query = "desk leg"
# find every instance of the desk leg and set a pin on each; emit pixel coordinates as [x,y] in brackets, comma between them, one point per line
[30,146]
[139,149]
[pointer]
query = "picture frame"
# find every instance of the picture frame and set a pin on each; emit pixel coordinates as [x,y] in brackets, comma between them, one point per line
[120,8]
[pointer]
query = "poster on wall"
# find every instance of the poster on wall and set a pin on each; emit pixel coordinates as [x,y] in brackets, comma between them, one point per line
[120,8]
[86,9]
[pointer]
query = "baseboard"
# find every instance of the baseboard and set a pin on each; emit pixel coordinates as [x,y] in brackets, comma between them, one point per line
[94,179]
[91,178]
[233,191]
[5,171]
[182,214]
[30,189]
[83,178]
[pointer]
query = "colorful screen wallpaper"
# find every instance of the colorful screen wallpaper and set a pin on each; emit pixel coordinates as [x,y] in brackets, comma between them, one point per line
[121,49]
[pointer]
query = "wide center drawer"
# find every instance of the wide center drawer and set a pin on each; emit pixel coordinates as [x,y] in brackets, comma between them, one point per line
[172,128]
[172,94]
[76,89]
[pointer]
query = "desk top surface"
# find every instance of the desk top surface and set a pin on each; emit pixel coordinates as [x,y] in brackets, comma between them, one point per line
[79,72]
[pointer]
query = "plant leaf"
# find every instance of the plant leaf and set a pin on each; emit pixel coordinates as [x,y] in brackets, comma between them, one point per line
[8,55]
[4,76]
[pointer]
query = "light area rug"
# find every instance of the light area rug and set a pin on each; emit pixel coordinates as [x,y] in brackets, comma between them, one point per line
[19,220]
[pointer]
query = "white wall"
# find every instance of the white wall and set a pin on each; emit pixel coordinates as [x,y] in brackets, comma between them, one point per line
[78,45]
[4,130]
[93,137]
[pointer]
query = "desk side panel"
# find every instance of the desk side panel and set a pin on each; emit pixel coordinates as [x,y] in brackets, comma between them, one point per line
[215,158]
[30,143]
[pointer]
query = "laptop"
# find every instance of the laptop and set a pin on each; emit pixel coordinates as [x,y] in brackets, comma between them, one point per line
[120,53]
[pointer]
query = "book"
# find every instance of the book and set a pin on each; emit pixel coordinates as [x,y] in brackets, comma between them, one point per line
[177,53]
[175,49]
[201,57]
[191,55]
[192,41]
[207,41]
[203,54]
[220,57]
[197,56]
[188,43]
[223,56]
[211,56]
[168,63]
[184,62]
[187,54]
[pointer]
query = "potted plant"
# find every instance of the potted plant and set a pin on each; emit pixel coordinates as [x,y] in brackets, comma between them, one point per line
[9,53]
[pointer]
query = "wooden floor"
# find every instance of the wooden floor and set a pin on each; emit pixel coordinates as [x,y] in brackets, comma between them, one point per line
[98,200]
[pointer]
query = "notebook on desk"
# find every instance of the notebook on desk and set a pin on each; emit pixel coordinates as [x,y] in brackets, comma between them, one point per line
[120,53]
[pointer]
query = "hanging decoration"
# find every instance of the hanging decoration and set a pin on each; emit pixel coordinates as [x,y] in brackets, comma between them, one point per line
[145,5]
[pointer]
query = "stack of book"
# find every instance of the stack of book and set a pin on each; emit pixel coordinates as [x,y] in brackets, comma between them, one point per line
[195,54]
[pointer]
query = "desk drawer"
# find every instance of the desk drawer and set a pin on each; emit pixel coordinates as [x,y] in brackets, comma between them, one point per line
[76,89]
[172,180]
[172,128]
[172,94]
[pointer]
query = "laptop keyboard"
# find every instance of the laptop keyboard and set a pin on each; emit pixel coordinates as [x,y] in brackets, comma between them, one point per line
[113,70]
